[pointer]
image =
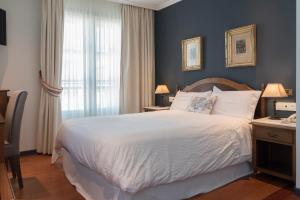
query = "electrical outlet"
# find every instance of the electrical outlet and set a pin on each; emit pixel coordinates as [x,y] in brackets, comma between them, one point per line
[286,106]
[171,99]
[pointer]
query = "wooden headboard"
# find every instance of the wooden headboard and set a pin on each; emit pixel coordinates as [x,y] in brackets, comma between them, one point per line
[226,85]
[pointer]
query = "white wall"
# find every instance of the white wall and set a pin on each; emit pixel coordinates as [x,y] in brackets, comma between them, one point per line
[20,60]
[298,96]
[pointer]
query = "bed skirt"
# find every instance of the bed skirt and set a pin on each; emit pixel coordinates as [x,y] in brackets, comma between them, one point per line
[93,186]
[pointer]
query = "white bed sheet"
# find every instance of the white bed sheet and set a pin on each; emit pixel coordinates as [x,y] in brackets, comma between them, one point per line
[144,150]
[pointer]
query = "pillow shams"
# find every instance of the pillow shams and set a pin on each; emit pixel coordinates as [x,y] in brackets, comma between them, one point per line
[236,103]
[183,99]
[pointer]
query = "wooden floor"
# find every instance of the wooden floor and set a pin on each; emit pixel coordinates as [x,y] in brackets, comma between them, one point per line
[43,181]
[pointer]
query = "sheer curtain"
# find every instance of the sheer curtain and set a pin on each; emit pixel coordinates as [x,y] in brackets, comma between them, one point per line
[91,58]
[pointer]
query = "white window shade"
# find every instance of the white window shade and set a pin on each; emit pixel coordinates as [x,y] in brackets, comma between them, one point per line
[91,58]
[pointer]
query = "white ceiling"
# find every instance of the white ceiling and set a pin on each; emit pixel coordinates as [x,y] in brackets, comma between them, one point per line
[151,4]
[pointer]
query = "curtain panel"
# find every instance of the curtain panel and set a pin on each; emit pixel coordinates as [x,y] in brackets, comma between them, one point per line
[137,59]
[51,59]
[91,58]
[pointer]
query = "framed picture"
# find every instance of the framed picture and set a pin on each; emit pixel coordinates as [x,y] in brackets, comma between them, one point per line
[192,54]
[240,46]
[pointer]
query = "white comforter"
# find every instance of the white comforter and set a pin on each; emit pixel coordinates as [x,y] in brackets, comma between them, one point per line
[141,150]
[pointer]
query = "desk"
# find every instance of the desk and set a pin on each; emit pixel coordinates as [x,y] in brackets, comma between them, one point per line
[3,101]
[6,191]
[2,121]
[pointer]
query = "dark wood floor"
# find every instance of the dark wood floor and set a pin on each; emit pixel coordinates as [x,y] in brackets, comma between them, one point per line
[43,181]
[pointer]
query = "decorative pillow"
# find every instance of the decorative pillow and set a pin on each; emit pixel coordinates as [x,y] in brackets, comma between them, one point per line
[183,99]
[202,104]
[236,103]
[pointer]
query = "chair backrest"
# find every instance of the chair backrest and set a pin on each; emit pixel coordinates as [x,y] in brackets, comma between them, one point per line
[13,117]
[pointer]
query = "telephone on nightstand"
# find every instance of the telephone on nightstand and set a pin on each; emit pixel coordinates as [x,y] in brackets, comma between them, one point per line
[290,119]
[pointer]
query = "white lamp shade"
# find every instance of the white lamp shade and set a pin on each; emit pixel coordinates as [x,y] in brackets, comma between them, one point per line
[162,89]
[274,90]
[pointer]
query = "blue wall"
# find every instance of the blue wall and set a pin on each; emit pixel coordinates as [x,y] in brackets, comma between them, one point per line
[276,40]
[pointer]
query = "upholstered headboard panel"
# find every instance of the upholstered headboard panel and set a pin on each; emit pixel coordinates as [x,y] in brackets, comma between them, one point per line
[225,85]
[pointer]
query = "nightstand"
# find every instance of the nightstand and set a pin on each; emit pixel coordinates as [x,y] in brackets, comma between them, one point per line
[156,108]
[274,148]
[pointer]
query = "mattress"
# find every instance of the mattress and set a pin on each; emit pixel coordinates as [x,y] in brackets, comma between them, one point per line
[144,150]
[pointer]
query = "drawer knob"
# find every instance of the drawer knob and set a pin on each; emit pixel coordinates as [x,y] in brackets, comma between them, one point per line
[273,135]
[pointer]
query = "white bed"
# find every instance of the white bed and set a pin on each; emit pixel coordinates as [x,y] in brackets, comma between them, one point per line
[151,149]
[163,155]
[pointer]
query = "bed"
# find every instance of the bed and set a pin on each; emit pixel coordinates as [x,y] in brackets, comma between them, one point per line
[157,155]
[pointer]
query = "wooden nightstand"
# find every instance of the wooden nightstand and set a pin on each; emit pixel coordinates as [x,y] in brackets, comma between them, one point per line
[274,148]
[156,108]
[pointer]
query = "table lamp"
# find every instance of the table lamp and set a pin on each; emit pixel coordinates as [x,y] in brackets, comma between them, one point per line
[274,90]
[162,90]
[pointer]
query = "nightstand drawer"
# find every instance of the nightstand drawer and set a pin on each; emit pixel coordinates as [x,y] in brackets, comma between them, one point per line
[279,135]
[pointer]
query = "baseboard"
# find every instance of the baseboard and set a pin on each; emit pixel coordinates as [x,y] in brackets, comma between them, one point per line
[28,153]
[297,191]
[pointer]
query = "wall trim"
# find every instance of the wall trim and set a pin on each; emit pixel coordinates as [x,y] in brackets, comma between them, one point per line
[147,5]
[28,153]
[167,4]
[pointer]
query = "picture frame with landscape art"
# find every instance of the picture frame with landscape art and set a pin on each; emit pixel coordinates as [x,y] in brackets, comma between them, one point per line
[192,54]
[240,46]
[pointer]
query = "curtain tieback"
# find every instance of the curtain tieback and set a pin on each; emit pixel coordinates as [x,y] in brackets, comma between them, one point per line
[54,91]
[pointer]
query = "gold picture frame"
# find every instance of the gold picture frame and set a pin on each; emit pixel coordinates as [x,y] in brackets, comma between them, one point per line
[192,58]
[240,47]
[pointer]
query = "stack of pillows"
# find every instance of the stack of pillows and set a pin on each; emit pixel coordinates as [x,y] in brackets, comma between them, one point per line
[240,104]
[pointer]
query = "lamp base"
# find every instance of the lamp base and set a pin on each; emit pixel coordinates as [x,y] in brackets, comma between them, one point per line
[274,117]
[161,100]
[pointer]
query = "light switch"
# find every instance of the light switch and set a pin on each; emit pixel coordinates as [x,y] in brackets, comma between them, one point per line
[286,106]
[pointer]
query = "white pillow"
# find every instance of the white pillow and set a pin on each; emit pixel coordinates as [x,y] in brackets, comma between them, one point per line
[202,104]
[236,103]
[216,89]
[183,99]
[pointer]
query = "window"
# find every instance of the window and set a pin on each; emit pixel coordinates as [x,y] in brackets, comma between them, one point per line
[91,63]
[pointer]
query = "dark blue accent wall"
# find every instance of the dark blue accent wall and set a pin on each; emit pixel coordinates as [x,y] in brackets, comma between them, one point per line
[276,40]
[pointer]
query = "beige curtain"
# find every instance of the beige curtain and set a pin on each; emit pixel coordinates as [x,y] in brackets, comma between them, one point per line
[51,59]
[137,59]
